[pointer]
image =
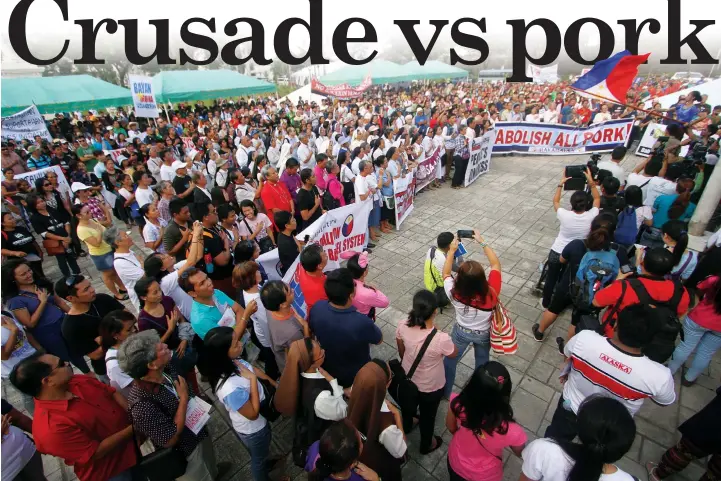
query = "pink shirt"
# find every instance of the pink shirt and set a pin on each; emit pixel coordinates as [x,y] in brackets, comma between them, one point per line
[336,190]
[478,458]
[430,375]
[320,181]
[365,298]
[704,314]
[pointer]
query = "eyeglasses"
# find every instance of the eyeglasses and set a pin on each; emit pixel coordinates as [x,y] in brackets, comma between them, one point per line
[61,364]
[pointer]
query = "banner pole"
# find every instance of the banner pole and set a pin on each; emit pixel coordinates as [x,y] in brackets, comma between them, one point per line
[651,112]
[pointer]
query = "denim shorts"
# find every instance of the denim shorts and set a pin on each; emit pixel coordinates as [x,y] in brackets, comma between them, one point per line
[104,262]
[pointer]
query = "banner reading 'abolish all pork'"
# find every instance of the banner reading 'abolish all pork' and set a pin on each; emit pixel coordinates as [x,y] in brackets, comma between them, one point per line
[558,139]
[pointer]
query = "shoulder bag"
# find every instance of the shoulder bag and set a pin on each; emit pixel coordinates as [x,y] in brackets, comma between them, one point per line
[164,464]
[440,291]
[402,389]
[504,337]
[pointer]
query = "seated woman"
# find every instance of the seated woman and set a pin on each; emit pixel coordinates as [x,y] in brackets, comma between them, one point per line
[366,298]
[309,393]
[335,455]
[481,421]
[236,384]
[379,421]
[158,402]
[115,328]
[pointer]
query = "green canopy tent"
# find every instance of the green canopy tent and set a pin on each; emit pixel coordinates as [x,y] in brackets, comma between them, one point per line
[381,71]
[185,85]
[61,94]
[434,70]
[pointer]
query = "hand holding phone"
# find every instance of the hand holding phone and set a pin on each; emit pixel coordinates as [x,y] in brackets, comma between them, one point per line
[465,234]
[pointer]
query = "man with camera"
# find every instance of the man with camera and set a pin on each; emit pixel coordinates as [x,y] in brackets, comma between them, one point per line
[575,224]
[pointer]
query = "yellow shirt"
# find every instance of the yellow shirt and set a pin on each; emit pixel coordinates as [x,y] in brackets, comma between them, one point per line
[84,232]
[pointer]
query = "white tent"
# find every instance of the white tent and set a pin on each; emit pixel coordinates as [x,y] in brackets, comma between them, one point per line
[303,76]
[712,89]
[305,93]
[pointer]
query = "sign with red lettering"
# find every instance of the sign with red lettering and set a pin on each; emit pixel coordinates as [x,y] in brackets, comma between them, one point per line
[404,189]
[342,91]
[559,139]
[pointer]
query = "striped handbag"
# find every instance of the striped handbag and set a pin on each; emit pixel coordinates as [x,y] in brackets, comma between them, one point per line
[504,338]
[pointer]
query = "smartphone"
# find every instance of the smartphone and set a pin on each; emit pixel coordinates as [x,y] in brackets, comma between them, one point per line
[626,269]
[465,234]
[461,251]
[306,239]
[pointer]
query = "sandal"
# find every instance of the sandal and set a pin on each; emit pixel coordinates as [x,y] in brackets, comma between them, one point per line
[439,443]
[122,297]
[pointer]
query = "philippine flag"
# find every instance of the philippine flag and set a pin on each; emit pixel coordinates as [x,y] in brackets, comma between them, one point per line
[611,78]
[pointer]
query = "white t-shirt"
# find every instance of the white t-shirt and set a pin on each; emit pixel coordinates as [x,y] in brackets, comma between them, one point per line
[17,450]
[466,316]
[118,378]
[643,213]
[234,393]
[303,152]
[640,180]
[260,318]
[599,367]
[361,188]
[167,172]
[658,186]
[612,167]
[573,226]
[545,460]
[170,287]
[144,196]
[23,349]
[151,233]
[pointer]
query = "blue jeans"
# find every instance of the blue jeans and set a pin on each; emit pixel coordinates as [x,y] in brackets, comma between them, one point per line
[258,445]
[462,338]
[705,341]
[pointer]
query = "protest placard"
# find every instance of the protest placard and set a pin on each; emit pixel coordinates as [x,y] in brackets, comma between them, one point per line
[428,170]
[144,100]
[25,124]
[31,177]
[559,139]
[404,190]
[480,161]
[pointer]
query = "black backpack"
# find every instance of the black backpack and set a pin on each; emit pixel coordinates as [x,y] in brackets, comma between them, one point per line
[328,201]
[667,327]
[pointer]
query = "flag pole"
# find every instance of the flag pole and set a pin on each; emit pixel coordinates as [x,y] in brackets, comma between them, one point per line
[650,112]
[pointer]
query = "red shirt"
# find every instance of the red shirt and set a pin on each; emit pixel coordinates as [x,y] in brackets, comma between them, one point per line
[275,197]
[659,289]
[73,429]
[313,287]
[704,314]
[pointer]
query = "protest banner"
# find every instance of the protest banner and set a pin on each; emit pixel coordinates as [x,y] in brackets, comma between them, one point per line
[428,170]
[404,190]
[338,230]
[114,154]
[650,137]
[480,161]
[187,143]
[559,139]
[543,74]
[25,124]
[342,91]
[31,177]
[143,97]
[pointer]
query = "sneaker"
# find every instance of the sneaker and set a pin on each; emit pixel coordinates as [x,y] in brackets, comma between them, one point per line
[371,245]
[686,383]
[651,470]
[537,335]
[561,344]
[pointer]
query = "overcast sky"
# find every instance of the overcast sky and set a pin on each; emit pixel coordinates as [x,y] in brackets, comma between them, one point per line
[46,30]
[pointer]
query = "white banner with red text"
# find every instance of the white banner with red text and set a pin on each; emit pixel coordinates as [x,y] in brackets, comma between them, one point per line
[428,170]
[342,91]
[559,139]
[338,230]
[404,193]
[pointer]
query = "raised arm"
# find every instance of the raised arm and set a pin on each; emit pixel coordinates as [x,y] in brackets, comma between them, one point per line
[594,190]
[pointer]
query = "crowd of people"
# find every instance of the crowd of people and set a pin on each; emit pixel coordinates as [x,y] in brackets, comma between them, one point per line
[215,186]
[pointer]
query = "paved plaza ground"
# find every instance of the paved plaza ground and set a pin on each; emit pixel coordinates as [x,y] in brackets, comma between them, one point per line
[511,206]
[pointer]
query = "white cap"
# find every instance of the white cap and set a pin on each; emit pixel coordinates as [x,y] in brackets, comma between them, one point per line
[77,186]
[178,165]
